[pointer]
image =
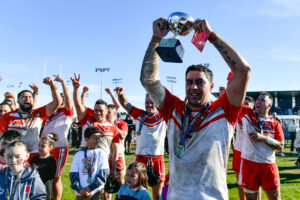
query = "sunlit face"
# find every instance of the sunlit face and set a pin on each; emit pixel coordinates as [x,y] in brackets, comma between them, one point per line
[25,101]
[16,157]
[248,103]
[4,109]
[132,178]
[44,147]
[197,89]
[263,104]
[150,106]
[111,114]
[100,112]
[93,141]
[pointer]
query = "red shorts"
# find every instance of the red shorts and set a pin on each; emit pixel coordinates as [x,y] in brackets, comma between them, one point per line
[61,156]
[256,174]
[120,165]
[32,155]
[236,161]
[158,164]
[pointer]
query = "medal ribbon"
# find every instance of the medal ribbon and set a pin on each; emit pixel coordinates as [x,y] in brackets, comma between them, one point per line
[24,124]
[16,180]
[187,128]
[89,168]
[143,119]
[260,123]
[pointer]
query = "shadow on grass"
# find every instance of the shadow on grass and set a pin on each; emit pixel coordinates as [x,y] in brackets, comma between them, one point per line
[232,185]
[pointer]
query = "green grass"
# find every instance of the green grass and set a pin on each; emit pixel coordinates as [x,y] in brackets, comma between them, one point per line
[289,177]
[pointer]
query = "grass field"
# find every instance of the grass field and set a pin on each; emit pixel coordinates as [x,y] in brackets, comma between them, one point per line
[289,177]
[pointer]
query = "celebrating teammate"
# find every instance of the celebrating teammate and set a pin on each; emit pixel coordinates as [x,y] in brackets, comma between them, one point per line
[199,132]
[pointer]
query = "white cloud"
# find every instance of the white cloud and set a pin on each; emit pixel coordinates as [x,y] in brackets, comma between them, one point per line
[282,8]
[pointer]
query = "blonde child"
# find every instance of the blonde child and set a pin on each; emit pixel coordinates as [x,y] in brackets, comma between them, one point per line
[20,181]
[45,163]
[136,183]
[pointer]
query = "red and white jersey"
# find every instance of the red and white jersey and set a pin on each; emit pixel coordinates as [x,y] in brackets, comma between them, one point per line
[12,121]
[259,152]
[59,123]
[124,127]
[239,132]
[152,138]
[202,167]
[109,133]
[2,165]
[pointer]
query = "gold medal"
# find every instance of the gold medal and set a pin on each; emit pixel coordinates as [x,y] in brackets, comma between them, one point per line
[89,180]
[179,151]
[139,132]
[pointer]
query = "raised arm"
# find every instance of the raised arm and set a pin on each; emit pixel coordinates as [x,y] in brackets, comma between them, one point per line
[149,74]
[80,109]
[113,98]
[67,95]
[237,86]
[123,99]
[56,102]
[35,89]
[84,91]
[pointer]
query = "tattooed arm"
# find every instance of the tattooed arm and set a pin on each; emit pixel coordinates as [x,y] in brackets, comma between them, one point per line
[237,86]
[149,74]
[123,99]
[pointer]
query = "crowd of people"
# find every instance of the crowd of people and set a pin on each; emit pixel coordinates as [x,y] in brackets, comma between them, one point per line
[34,141]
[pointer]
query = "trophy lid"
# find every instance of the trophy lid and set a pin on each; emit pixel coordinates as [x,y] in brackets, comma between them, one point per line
[180,23]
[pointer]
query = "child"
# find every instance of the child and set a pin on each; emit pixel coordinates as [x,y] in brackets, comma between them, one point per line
[136,183]
[20,181]
[7,138]
[45,163]
[89,167]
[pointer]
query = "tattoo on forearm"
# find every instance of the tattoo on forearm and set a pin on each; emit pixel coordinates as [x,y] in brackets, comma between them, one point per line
[225,54]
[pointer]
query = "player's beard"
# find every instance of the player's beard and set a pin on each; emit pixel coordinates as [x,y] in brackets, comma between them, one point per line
[26,108]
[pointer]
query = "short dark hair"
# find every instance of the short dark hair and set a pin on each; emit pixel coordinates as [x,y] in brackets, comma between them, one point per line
[111,106]
[268,95]
[201,68]
[100,101]
[250,99]
[11,135]
[23,91]
[90,131]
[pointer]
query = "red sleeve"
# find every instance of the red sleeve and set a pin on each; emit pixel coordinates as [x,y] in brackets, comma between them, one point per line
[89,114]
[136,112]
[4,122]
[169,104]
[123,125]
[41,111]
[279,135]
[231,112]
[116,138]
[69,113]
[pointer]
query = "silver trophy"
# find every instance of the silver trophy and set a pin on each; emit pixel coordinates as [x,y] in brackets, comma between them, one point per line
[171,50]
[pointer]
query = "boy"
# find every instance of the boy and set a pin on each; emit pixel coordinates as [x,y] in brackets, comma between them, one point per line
[8,137]
[89,167]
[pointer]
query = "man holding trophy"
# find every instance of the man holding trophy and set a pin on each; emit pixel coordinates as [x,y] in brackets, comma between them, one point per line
[199,131]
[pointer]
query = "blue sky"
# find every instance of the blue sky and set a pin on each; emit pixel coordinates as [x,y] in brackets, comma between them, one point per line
[70,36]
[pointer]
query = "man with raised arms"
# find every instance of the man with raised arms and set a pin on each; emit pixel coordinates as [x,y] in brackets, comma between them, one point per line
[150,137]
[28,121]
[109,138]
[200,131]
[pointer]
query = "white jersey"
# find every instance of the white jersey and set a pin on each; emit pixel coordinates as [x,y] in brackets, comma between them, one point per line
[259,152]
[79,164]
[200,172]
[59,123]
[153,133]
[297,140]
[239,134]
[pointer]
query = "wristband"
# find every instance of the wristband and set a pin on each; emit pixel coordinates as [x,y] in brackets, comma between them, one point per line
[35,93]
[212,37]
[53,87]
[272,142]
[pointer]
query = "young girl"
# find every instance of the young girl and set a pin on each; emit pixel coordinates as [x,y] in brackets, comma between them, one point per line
[136,183]
[45,163]
[19,181]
